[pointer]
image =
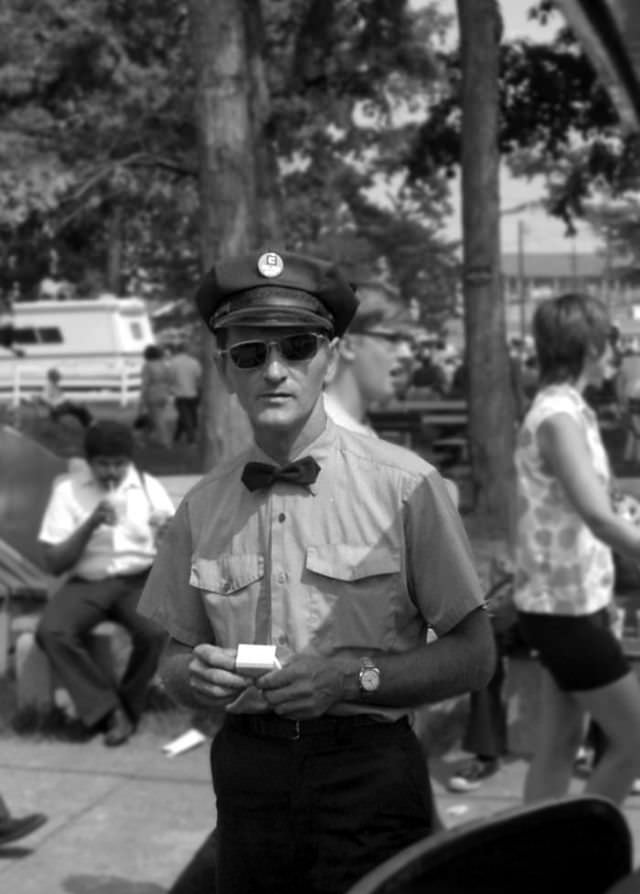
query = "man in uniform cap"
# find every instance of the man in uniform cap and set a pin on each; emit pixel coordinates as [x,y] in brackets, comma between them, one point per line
[297,582]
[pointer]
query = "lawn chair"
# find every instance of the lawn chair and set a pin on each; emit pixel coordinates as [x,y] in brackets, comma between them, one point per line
[579,844]
[29,470]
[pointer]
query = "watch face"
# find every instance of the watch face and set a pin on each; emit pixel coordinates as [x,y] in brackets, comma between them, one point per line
[369,679]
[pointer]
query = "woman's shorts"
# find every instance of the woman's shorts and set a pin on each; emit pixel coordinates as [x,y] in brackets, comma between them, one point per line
[579,651]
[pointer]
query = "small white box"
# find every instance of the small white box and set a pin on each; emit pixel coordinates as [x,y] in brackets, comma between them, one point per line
[253,661]
[191,739]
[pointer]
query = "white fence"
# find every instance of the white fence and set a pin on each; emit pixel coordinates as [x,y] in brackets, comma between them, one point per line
[119,384]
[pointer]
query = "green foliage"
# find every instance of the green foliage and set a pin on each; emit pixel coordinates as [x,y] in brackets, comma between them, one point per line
[98,142]
[95,145]
[349,82]
[98,145]
[556,120]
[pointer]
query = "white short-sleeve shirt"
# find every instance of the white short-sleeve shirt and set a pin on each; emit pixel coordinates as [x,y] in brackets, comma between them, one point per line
[126,547]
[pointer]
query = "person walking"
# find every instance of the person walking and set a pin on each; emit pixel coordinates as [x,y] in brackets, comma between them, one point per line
[186,377]
[566,530]
[334,552]
[101,526]
[155,395]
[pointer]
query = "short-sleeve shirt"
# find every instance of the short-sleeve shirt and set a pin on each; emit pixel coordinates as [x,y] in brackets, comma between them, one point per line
[186,375]
[562,568]
[365,559]
[126,547]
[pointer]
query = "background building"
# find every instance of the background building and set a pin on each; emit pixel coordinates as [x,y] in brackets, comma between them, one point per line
[530,277]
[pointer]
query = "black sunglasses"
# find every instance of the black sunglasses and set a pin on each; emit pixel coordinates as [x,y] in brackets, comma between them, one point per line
[293,348]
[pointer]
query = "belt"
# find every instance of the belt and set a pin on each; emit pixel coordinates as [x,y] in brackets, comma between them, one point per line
[270,726]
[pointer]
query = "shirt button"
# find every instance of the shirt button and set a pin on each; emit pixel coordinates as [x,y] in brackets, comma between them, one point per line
[282,577]
[281,517]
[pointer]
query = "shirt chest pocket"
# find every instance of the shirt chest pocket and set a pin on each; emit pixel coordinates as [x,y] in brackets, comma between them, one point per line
[354,594]
[231,587]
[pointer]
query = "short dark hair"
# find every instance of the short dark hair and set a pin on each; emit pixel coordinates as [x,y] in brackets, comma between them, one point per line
[152,352]
[108,437]
[564,328]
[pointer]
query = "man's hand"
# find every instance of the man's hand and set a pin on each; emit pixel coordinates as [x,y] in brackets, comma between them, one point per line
[212,676]
[103,514]
[307,687]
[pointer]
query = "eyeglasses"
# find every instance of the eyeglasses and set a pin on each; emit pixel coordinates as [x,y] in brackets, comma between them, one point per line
[294,348]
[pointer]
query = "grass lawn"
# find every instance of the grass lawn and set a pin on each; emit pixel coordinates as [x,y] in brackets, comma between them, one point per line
[65,437]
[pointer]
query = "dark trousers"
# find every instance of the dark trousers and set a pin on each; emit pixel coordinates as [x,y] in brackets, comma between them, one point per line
[199,875]
[77,607]
[317,813]
[486,730]
[187,421]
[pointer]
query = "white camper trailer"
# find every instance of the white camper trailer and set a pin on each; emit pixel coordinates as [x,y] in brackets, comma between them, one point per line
[96,344]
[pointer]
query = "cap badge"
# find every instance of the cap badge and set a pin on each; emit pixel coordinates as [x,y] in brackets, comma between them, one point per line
[270,264]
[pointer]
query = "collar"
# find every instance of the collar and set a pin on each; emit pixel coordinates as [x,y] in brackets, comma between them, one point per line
[319,449]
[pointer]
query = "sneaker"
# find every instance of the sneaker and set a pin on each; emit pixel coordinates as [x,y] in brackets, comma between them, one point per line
[471,776]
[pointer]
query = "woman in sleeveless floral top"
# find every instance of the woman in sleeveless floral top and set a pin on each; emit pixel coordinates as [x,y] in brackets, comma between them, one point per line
[567,528]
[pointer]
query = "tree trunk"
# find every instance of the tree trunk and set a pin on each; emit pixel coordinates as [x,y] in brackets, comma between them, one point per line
[231,112]
[114,250]
[491,405]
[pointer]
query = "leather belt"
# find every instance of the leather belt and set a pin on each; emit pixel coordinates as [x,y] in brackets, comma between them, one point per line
[270,726]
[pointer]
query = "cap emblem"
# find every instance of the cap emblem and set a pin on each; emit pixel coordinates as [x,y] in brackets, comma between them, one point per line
[270,264]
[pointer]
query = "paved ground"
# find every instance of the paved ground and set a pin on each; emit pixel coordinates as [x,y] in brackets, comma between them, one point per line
[125,821]
[122,821]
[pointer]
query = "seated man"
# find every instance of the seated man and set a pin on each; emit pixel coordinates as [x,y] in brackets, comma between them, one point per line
[102,525]
[53,397]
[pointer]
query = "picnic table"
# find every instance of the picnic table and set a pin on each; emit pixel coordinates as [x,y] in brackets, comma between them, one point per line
[440,424]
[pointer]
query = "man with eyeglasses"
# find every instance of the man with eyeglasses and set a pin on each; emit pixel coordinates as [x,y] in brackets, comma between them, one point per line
[367,360]
[296,583]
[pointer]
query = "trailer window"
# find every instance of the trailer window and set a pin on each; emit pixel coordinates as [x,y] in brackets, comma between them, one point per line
[25,335]
[50,335]
[136,330]
[43,335]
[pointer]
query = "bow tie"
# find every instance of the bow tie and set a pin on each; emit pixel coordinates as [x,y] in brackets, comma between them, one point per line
[256,476]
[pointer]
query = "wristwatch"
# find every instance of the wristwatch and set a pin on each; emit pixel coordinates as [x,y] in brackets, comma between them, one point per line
[369,676]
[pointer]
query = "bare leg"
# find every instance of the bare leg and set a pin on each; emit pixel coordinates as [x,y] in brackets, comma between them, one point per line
[616,708]
[559,735]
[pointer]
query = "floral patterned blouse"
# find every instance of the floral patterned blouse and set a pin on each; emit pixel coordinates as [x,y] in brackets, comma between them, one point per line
[562,569]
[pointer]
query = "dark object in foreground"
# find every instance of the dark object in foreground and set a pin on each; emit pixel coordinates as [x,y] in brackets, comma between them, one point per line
[582,844]
[13,828]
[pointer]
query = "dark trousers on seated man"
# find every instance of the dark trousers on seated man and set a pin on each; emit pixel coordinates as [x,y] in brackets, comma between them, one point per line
[77,607]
